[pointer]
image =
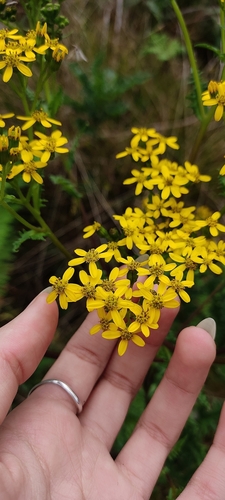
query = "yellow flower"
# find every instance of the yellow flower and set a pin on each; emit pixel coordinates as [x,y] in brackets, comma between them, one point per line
[125,334]
[205,259]
[156,299]
[103,324]
[216,99]
[141,179]
[29,171]
[90,257]
[170,184]
[52,144]
[179,287]
[143,320]
[38,116]
[132,265]
[90,230]
[165,141]
[13,60]
[113,251]
[112,302]
[213,224]
[186,264]
[133,151]
[88,290]
[62,289]
[5,33]
[194,175]
[142,134]
[114,281]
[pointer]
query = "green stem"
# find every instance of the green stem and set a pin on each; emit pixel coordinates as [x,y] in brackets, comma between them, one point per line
[43,225]
[191,56]
[19,218]
[202,130]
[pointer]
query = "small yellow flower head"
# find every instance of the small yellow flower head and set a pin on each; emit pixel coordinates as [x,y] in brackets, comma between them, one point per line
[62,289]
[90,230]
[38,116]
[41,30]
[218,100]
[213,87]
[29,170]
[14,133]
[52,144]
[13,60]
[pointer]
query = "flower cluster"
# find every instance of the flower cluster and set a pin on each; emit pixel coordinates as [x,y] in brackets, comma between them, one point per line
[19,51]
[156,251]
[19,154]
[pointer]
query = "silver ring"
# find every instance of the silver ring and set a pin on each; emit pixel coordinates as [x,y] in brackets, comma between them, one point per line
[64,386]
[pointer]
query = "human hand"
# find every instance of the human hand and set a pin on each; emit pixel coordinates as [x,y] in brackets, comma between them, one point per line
[49,453]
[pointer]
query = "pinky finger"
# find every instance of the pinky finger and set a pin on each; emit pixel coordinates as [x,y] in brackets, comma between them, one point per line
[208,482]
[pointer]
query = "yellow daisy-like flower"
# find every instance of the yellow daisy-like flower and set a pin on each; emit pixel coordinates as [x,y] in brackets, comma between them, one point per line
[186,263]
[113,251]
[29,170]
[125,334]
[205,259]
[5,33]
[38,116]
[62,289]
[133,151]
[156,299]
[165,141]
[90,230]
[112,302]
[103,324]
[90,257]
[142,134]
[3,117]
[179,287]
[215,97]
[213,224]
[52,144]
[88,290]
[114,281]
[11,61]
[143,320]
[193,173]
[142,181]
[137,265]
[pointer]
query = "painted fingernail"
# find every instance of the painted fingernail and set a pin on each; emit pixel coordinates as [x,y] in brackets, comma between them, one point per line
[209,325]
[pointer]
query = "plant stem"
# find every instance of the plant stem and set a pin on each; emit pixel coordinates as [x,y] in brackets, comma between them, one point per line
[191,56]
[19,218]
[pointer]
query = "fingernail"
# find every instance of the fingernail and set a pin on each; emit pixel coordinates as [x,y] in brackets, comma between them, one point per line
[209,325]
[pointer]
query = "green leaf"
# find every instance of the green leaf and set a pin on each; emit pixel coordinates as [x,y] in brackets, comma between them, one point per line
[163,47]
[28,235]
[210,47]
[66,185]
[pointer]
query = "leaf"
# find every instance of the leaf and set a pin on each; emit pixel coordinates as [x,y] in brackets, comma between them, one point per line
[28,235]
[210,47]
[66,185]
[163,47]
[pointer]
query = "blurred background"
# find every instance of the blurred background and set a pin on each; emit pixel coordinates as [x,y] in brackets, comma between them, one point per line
[127,67]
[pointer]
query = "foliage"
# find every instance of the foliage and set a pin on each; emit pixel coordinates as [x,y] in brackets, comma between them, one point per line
[138,78]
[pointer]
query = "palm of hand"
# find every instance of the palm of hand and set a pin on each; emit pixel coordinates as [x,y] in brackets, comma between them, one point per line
[47,452]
